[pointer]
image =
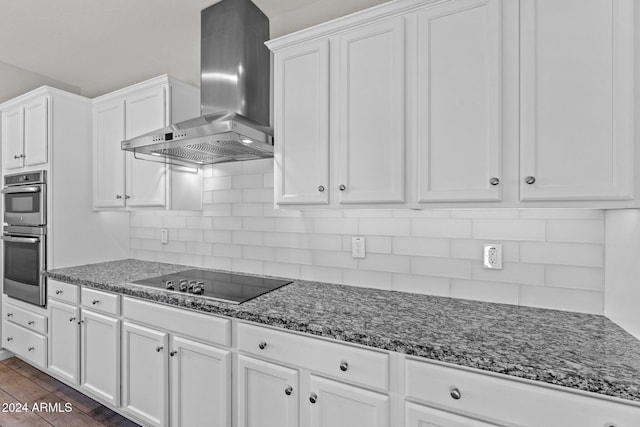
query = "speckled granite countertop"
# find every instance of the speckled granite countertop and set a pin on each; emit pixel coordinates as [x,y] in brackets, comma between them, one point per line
[581,351]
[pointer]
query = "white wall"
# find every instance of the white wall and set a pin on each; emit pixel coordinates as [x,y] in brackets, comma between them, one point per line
[552,258]
[16,81]
[622,294]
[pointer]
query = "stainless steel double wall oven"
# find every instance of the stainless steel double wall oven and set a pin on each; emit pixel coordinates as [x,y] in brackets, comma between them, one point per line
[25,236]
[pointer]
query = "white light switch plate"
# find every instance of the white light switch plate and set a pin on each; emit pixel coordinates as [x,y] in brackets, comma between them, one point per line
[164,236]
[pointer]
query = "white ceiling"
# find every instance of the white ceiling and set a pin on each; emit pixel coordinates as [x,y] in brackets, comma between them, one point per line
[101,45]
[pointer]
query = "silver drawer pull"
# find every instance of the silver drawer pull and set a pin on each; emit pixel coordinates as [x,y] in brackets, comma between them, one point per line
[9,314]
[31,348]
[344,365]
[159,348]
[455,393]
[31,322]
[58,292]
[173,353]
[71,319]
[262,345]
[288,390]
[95,301]
[9,339]
[313,398]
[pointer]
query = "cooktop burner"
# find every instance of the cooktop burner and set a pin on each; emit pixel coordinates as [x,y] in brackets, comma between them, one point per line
[227,287]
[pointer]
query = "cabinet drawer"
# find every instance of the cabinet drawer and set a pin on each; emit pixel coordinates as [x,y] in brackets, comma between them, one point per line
[352,364]
[63,291]
[28,319]
[25,343]
[507,401]
[204,327]
[105,302]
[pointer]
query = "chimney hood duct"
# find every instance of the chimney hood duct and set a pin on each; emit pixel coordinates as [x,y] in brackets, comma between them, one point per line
[234,93]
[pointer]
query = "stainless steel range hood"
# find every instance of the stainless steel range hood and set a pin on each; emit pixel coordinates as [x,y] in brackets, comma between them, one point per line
[234,93]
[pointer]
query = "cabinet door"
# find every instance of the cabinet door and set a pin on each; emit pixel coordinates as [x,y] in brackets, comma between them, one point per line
[268,394]
[200,384]
[145,111]
[458,98]
[64,341]
[369,96]
[424,416]
[36,131]
[334,404]
[109,159]
[12,137]
[100,356]
[576,99]
[302,124]
[145,374]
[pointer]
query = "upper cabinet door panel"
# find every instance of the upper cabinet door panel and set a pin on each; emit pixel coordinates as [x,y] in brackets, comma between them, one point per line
[302,124]
[36,131]
[12,136]
[576,99]
[145,112]
[370,113]
[459,101]
[109,169]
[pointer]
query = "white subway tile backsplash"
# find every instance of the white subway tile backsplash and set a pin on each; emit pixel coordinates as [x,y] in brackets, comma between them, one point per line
[552,257]
[485,291]
[438,286]
[576,231]
[421,246]
[575,254]
[385,227]
[509,229]
[445,228]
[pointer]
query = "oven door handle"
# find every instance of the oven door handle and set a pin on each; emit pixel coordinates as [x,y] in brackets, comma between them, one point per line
[14,190]
[20,239]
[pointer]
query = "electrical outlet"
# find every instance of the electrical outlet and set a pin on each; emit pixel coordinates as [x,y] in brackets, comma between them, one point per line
[357,247]
[492,256]
[164,236]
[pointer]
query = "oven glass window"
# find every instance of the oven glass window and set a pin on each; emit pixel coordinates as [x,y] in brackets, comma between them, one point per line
[22,203]
[21,262]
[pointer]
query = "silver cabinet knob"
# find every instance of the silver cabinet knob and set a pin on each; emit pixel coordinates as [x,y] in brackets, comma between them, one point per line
[95,301]
[9,339]
[455,393]
[342,187]
[9,314]
[530,180]
[288,390]
[127,197]
[118,196]
[31,348]
[344,365]
[58,292]
[22,156]
[159,348]
[313,398]
[262,345]
[173,353]
[494,181]
[321,188]
[71,319]
[81,322]
[16,157]
[31,322]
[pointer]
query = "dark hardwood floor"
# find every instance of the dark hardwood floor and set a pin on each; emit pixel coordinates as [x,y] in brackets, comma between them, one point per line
[22,384]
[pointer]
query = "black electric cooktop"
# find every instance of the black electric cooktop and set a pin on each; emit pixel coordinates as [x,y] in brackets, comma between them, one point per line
[226,287]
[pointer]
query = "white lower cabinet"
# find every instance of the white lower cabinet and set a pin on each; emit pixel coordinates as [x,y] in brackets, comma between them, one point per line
[100,356]
[334,404]
[424,416]
[145,373]
[64,341]
[268,394]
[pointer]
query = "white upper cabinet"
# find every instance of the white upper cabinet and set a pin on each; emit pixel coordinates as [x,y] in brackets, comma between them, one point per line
[458,90]
[369,113]
[25,133]
[124,180]
[302,124]
[576,134]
